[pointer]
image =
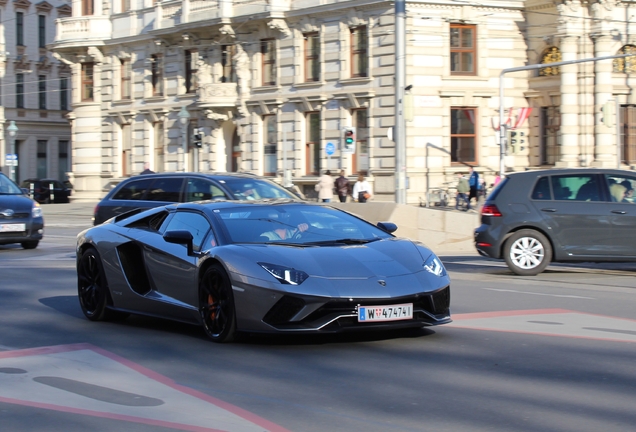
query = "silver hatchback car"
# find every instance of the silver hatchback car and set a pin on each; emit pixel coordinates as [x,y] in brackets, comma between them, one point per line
[21,218]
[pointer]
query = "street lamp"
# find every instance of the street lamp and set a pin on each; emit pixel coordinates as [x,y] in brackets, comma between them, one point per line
[184,119]
[13,130]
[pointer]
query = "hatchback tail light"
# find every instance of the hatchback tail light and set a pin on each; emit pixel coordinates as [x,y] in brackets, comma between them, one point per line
[490,210]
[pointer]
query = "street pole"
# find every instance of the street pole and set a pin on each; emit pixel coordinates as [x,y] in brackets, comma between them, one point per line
[184,119]
[400,80]
[502,128]
[13,131]
[619,155]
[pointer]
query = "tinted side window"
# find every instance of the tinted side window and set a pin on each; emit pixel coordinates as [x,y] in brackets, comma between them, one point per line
[621,188]
[195,223]
[133,190]
[165,189]
[542,189]
[201,189]
[576,187]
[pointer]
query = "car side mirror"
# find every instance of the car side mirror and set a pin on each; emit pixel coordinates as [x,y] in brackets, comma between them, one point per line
[180,237]
[389,227]
[25,191]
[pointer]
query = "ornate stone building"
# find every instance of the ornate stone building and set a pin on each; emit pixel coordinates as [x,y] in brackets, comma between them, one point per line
[34,90]
[274,82]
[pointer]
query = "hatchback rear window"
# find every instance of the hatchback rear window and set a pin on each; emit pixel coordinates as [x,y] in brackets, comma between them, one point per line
[542,189]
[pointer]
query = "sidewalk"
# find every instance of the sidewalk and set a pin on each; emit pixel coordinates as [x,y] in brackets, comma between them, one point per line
[68,215]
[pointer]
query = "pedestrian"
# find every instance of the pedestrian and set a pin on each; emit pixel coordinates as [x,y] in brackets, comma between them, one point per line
[324,187]
[473,182]
[147,169]
[462,190]
[361,190]
[342,187]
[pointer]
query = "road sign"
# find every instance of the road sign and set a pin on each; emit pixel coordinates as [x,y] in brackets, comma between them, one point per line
[11,159]
[330,149]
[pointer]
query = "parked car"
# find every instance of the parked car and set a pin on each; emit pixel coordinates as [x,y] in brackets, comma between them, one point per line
[21,218]
[153,190]
[563,215]
[268,266]
[40,190]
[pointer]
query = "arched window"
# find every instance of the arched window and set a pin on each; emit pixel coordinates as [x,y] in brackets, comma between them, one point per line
[550,55]
[626,64]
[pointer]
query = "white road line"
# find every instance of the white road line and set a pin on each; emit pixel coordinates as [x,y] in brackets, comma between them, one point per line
[540,294]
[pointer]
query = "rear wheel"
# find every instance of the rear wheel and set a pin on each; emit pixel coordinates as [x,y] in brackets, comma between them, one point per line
[30,244]
[527,252]
[92,288]
[216,304]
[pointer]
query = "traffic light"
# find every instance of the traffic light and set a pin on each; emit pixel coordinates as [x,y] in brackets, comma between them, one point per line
[349,139]
[516,140]
[197,138]
[607,112]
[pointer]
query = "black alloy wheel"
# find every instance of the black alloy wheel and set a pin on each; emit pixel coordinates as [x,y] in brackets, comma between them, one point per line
[216,304]
[92,288]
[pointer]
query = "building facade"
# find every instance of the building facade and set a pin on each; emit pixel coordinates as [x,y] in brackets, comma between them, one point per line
[271,84]
[35,90]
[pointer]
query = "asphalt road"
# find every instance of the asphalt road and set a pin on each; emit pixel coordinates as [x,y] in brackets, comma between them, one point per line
[553,352]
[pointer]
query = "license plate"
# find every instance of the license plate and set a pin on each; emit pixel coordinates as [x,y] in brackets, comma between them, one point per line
[12,227]
[385,313]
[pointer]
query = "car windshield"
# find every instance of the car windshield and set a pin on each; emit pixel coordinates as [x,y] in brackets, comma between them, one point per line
[296,225]
[7,187]
[252,189]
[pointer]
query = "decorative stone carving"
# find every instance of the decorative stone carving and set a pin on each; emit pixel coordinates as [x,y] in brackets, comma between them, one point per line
[279,25]
[96,54]
[227,30]
[353,19]
[64,11]
[21,4]
[65,58]
[44,7]
[308,25]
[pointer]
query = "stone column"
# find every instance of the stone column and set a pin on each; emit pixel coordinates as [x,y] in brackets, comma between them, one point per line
[569,151]
[604,137]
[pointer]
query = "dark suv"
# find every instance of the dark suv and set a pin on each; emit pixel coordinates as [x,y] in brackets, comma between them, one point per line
[154,190]
[535,217]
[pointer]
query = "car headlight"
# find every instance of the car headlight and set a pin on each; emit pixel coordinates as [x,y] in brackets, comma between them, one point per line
[36,211]
[435,266]
[285,275]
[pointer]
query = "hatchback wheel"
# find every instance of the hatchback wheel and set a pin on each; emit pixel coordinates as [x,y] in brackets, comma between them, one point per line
[527,252]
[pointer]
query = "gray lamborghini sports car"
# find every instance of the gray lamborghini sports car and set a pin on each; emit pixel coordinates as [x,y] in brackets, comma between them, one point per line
[279,266]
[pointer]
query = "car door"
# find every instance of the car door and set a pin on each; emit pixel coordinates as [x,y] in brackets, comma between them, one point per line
[621,206]
[172,271]
[577,215]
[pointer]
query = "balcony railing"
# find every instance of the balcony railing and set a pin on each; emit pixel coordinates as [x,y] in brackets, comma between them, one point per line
[86,28]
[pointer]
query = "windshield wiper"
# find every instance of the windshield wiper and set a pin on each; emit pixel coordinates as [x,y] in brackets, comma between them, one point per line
[280,243]
[348,241]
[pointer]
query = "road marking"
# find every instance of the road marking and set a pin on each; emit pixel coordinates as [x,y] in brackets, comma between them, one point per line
[539,294]
[83,379]
[551,322]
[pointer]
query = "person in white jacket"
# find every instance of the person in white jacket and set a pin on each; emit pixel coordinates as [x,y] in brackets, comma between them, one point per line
[324,187]
[361,190]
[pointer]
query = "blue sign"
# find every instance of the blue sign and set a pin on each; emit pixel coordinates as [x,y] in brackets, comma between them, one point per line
[11,159]
[330,149]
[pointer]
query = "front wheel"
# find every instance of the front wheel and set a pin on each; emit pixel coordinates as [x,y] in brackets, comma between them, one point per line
[527,252]
[92,288]
[216,304]
[30,244]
